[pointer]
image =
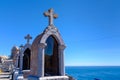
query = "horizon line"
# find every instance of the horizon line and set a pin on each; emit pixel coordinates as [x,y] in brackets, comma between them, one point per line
[88,65]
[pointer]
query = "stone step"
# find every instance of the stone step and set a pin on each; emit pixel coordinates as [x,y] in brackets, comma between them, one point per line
[5,76]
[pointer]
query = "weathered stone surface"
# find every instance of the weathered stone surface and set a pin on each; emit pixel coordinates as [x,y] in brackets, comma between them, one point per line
[37,51]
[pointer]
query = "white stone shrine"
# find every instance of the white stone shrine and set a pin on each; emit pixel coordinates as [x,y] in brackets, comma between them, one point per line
[47,56]
[44,58]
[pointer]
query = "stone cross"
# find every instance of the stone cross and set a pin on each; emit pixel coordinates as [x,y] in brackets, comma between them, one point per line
[28,37]
[21,46]
[51,16]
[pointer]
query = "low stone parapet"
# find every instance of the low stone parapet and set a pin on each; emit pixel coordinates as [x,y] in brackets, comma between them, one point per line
[49,78]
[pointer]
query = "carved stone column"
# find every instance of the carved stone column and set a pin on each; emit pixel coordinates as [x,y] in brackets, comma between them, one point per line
[17,59]
[41,59]
[61,60]
[21,57]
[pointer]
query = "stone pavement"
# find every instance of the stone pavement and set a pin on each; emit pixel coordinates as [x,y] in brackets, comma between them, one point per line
[5,76]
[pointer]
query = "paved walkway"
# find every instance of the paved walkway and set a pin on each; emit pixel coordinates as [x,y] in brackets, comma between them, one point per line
[5,76]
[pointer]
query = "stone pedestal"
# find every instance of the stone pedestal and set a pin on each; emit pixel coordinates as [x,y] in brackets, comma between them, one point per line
[15,74]
[20,77]
[26,73]
[49,78]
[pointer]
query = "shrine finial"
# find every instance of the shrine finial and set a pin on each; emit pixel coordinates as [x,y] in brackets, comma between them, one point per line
[50,14]
[28,37]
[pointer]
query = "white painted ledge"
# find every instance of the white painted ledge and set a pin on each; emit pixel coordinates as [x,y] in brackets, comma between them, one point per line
[54,78]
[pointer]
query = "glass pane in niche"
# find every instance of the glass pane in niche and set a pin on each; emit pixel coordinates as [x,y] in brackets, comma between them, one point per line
[50,45]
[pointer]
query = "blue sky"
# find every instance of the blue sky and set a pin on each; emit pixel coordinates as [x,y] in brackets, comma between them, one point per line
[90,28]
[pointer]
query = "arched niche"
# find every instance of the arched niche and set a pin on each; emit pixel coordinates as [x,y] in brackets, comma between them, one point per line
[38,56]
[26,59]
[51,66]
